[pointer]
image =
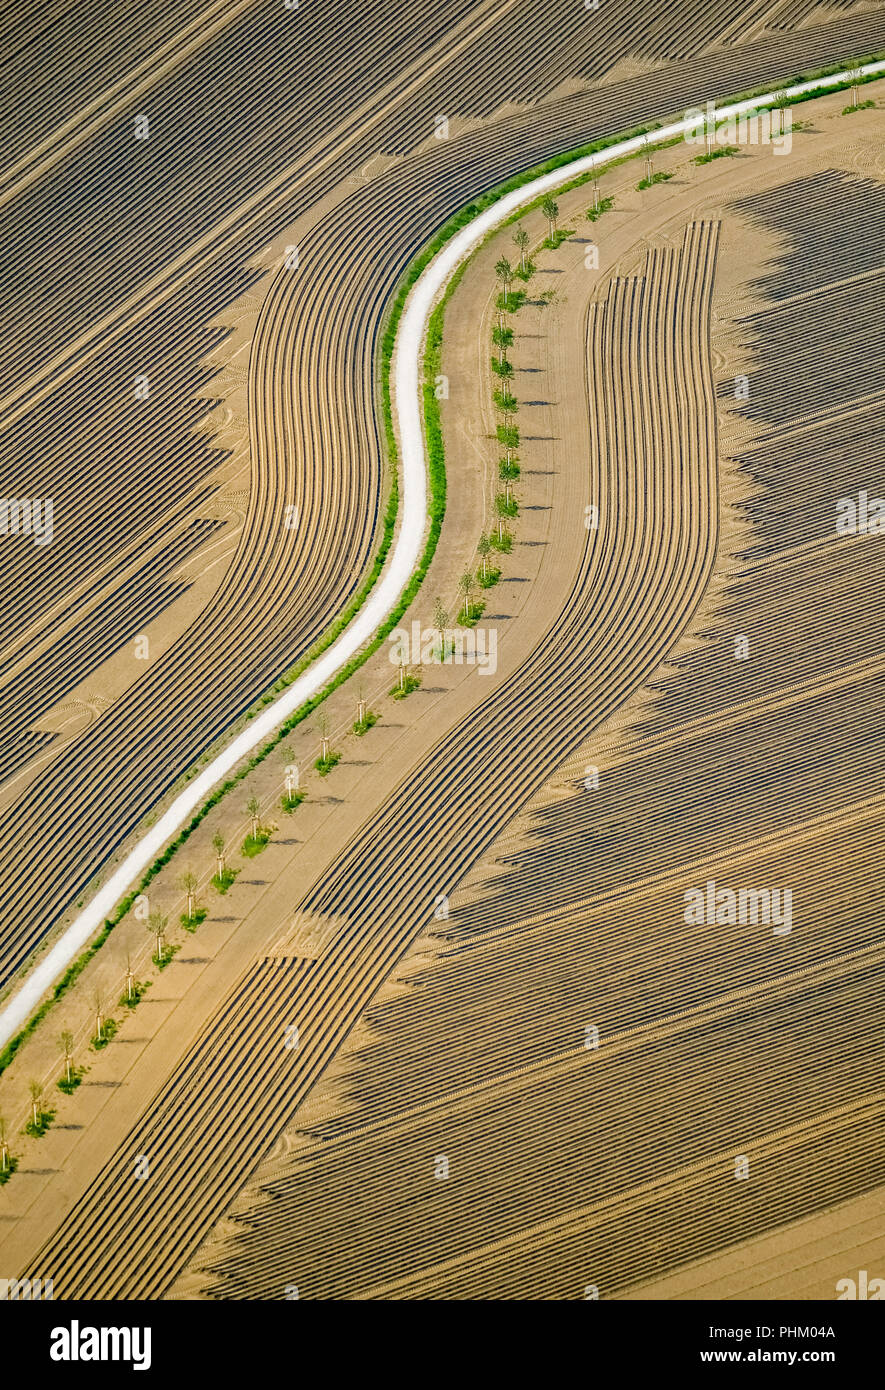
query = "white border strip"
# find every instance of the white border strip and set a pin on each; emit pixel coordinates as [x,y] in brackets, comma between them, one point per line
[406,400]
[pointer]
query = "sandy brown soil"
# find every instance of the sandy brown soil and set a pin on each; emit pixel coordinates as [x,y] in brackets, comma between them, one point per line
[257,914]
[805,1260]
[308,1175]
[76,340]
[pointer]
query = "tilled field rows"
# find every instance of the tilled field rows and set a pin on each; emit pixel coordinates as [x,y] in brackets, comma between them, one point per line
[718,1040]
[633,1129]
[104,628]
[642,574]
[319,328]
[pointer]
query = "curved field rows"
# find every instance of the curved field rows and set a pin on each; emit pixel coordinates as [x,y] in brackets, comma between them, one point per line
[627,1140]
[572,1166]
[641,577]
[108,625]
[186,270]
[302,577]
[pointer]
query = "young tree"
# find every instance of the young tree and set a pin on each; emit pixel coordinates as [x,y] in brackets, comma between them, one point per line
[465,584]
[649,166]
[484,545]
[189,885]
[503,507]
[67,1043]
[253,807]
[855,74]
[550,209]
[506,402]
[508,466]
[521,238]
[502,338]
[4,1147]
[98,1011]
[441,623]
[218,846]
[157,927]
[502,368]
[36,1091]
[130,977]
[504,272]
[361,708]
[323,726]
